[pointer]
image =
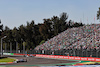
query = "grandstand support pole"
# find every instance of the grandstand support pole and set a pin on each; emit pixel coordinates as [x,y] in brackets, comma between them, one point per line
[1,45]
[97,53]
[73,52]
[86,52]
[78,52]
[23,47]
[5,48]
[16,47]
[1,48]
[10,47]
[63,52]
[83,52]
[91,52]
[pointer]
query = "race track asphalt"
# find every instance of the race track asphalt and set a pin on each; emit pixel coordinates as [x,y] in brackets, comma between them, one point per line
[35,61]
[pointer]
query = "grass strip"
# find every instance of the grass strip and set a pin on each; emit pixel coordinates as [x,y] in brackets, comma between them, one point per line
[6,60]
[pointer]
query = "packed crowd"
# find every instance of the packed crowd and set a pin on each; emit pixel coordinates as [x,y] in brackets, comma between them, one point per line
[85,37]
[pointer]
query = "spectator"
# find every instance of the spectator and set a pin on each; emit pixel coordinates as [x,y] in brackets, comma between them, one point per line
[86,36]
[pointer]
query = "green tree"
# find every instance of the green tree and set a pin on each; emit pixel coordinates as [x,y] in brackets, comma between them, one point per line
[1,28]
[16,34]
[56,25]
[48,25]
[46,29]
[98,14]
[43,32]
[36,35]
[63,18]
[22,32]
[16,38]
[29,35]
[7,32]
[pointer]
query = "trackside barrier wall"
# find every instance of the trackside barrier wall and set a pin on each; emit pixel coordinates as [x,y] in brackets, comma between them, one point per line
[69,57]
[8,53]
[25,54]
[18,54]
[60,57]
[72,52]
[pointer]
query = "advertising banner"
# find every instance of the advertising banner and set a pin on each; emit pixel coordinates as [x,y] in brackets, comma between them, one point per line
[70,57]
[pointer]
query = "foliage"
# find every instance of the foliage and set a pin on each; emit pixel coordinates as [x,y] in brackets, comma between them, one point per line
[42,42]
[98,14]
[34,34]
[1,28]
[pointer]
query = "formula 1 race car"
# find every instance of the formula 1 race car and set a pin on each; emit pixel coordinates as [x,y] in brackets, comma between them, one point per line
[21,60]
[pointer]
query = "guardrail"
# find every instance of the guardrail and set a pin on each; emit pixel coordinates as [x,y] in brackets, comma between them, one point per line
[70,57]
[64,52]
[58,57]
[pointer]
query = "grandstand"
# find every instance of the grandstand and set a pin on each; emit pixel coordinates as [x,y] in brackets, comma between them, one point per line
[77,41]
